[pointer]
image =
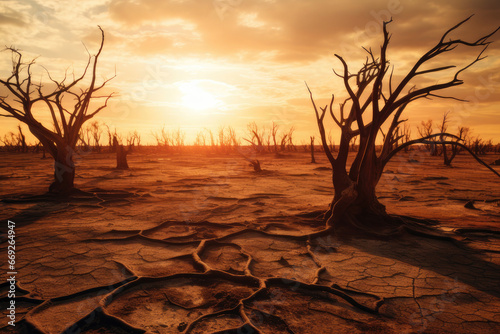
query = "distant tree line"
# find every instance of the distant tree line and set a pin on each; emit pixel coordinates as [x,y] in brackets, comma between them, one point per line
[98,137]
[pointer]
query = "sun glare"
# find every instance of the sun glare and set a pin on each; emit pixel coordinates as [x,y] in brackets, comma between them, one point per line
[196,98]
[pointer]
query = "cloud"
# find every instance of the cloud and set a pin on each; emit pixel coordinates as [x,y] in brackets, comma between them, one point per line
[12,18]
[298,31]
[289,30]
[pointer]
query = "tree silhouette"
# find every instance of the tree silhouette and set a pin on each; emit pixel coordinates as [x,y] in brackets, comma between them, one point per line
[68,104]
[313,161]
[449,155]
[374,100]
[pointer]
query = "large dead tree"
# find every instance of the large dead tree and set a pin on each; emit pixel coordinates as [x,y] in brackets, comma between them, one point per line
[374,101]
[68,102]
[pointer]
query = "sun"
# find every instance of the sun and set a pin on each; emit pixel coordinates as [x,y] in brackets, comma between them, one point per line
[196,98]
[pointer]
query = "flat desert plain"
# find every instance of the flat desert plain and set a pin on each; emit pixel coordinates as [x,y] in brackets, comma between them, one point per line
[200,243]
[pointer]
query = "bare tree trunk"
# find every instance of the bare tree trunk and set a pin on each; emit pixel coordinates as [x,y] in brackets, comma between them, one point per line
[313,161]
[121,155]
[64,171]
[274,132]
[22,139]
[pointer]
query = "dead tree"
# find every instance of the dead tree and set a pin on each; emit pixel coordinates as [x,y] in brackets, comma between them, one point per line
[274,133]
[256,136]
[222,138]
[406,135]
[374,100]
[130,139]
[233,139]
[22,140]
[213,143]
[449,155]
[137,138]
[163,137]
[15,142]
[253,162]
[111,135]
[425,131]
[284,139]
[227,138]
[330,141]
[121,154]
[313,161]
[67,118]
[96,132]
[178,138]
[481,146]
[9,141]
[291,146]
[84,138]
[200,139]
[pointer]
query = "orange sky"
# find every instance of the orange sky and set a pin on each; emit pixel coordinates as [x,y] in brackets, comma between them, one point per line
[194,64]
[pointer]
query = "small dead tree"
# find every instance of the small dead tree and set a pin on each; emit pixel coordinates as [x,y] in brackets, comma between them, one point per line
[256,136]
[178,138]
[67,118]
[21,139]
[84,139]
[274,133]
[96,132]
[267,140]
[405,135]
[9,141]
[130,139]
[313,161]
[330,141]
[425,131]
[283,141]
[121,154]
[222,138]
[110,137]
[480,146]
[355,204]
[290,144]
[213,142]
[253,162]
[200,139]
[449,154]
[137,138]
[226,138]
[36,149]
[163,137]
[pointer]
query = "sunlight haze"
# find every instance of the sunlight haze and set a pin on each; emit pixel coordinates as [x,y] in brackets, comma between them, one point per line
[192,65]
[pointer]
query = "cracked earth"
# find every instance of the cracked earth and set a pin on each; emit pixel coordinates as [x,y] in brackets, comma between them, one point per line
[183,244]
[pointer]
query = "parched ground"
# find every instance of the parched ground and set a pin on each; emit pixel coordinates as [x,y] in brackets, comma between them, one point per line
[202,244]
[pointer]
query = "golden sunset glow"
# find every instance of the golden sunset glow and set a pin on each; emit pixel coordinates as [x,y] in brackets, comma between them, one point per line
[196,98]
[234,62]
[250,166]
